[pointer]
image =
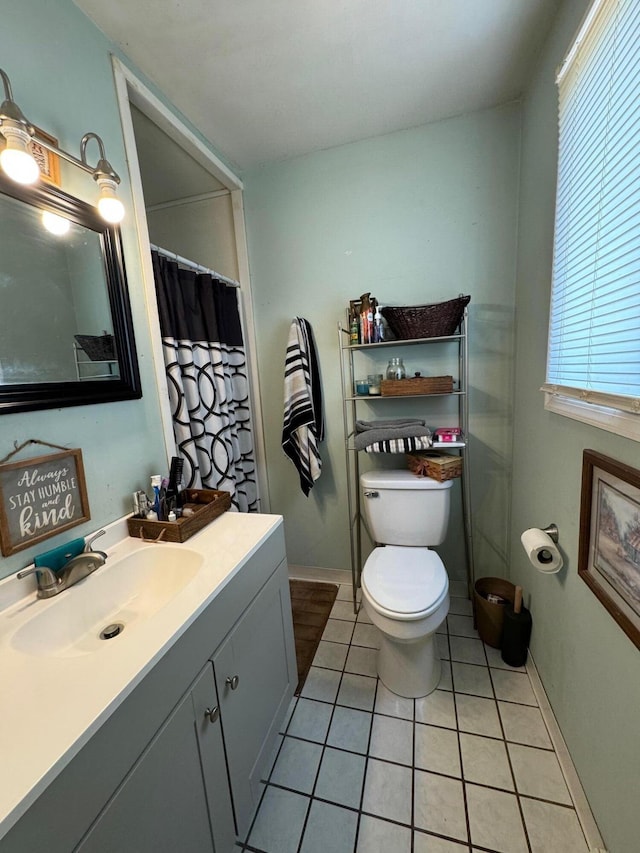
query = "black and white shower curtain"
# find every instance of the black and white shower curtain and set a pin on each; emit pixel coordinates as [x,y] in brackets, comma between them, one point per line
[207,375]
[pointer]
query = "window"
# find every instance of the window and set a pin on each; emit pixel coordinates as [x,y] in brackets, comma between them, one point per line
[593,364]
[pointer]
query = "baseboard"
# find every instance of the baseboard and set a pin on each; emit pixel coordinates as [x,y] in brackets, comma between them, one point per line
[583,809]
[314,573]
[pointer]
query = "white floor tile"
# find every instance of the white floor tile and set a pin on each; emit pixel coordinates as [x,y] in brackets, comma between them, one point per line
[392,705]
[341,778]
[460,606]
[392,739]
[475,680]
[337,631]
[513,687]
[552,829]
[467,650]
[437,750]
[363,616]
[280,820]
[485,761]
[494,820]
[321,684]
[439,805]
[343,610]
[423,843]
[310,720]
[387,791]
[538,774]
[350,729]
[437,709]
[524,724]
[289,714]
[330,655]
[461,626]
[366,635]
[357,691]
[380,836]
[442,644]
[297,765]
[445,682]
[478,715]
[329,828]
[494,656]
[345,593]
[362,661]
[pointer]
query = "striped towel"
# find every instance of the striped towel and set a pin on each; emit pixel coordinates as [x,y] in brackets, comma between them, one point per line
[399,445]
[303,423]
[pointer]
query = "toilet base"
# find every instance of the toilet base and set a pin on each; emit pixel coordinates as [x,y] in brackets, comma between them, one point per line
[410,669]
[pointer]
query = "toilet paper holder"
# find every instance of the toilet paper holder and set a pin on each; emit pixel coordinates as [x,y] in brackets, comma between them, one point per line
[552,532]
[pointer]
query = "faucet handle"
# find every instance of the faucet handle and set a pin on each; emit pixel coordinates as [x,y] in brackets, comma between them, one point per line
[89,543]
[47,580]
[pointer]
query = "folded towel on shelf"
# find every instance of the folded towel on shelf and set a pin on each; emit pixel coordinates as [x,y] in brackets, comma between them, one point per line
[399,445]
[371,436]
[390,423]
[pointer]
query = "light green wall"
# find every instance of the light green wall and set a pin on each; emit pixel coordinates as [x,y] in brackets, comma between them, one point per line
[413,217]
[60,68]
[590,669]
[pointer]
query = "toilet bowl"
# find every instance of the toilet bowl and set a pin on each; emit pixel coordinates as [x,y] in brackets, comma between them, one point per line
[406,595]
[405,587]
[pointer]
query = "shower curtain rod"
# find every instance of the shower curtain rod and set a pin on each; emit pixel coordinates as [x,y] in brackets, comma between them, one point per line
[193,265]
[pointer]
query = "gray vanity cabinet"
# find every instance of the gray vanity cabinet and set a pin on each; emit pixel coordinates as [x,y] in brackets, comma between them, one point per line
[176,797]
[161,775]
[254,670]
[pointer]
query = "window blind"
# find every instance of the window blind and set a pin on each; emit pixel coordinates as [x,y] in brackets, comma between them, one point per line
[594,330]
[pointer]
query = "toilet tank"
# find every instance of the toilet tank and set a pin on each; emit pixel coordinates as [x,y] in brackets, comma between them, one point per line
[401,508]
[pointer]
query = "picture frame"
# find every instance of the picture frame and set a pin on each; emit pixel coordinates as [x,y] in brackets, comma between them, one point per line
[41,497]
[609,545]
[48,162]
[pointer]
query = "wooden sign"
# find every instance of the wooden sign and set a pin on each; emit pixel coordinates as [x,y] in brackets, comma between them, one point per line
[41,497]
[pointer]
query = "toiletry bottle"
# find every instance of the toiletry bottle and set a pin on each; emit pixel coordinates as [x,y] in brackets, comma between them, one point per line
[366,319]
[354,327]
[156,484]
[378,326]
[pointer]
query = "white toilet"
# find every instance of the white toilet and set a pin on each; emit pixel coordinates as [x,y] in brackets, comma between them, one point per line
[405,588]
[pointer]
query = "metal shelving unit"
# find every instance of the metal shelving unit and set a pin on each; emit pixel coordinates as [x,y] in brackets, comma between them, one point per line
[82,360]
[348,353]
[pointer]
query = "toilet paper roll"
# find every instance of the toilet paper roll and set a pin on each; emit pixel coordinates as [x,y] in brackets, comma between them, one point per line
[541,550]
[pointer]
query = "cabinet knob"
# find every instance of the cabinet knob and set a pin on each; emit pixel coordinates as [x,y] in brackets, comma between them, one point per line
[232,681]
[212,714]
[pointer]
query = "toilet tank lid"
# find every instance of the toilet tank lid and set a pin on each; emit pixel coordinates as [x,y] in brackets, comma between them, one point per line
[408,581]
[400,479]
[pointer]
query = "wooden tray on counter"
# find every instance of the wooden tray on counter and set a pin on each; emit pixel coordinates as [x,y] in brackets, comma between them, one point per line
[207,504]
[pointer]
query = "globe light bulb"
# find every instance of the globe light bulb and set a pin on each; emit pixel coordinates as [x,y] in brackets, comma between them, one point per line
[110,207]
[16,161]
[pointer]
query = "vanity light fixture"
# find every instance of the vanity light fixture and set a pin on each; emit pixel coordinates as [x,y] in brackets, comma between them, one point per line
[19,164]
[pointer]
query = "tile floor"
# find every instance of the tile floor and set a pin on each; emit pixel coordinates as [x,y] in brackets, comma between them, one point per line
[469,768]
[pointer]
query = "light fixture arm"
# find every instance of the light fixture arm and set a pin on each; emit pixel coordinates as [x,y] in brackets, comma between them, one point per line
[9,111]
[103,169]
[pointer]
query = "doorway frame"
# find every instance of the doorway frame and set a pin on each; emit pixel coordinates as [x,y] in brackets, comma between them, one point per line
[131,90]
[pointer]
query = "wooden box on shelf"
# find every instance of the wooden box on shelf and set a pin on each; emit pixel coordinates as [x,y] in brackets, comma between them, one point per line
[435,464]
[416,385]
[207,504]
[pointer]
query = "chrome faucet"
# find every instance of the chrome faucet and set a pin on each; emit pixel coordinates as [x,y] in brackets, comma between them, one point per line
[51,583]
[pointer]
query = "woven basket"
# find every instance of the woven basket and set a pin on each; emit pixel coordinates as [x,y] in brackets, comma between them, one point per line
[97,347]
[438,466]
[426,321]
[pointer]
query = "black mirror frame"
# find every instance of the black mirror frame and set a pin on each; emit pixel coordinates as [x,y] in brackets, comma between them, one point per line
[52,395]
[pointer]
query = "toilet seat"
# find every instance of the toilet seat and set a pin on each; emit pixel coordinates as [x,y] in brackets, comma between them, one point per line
[405,583]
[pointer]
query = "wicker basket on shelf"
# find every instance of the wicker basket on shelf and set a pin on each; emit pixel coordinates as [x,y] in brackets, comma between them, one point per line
[426,321]
[438,466]
[97,347]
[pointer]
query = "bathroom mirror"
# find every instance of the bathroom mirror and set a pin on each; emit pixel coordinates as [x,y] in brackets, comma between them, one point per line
[66,335]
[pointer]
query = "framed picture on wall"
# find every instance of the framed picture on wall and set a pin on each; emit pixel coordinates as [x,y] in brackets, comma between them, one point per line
[609,548]
[48,162]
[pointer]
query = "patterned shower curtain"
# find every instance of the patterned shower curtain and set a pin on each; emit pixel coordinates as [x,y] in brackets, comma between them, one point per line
[207,375]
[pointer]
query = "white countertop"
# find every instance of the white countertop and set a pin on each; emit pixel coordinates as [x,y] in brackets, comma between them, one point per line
[80,692]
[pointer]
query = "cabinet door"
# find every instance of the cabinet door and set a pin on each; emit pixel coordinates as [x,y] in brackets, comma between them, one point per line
[161,806]
[259,653]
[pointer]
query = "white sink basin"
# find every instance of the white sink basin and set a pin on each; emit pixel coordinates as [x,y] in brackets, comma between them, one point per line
[127,591]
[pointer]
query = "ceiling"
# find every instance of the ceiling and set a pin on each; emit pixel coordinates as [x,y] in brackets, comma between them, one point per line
[266,81]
